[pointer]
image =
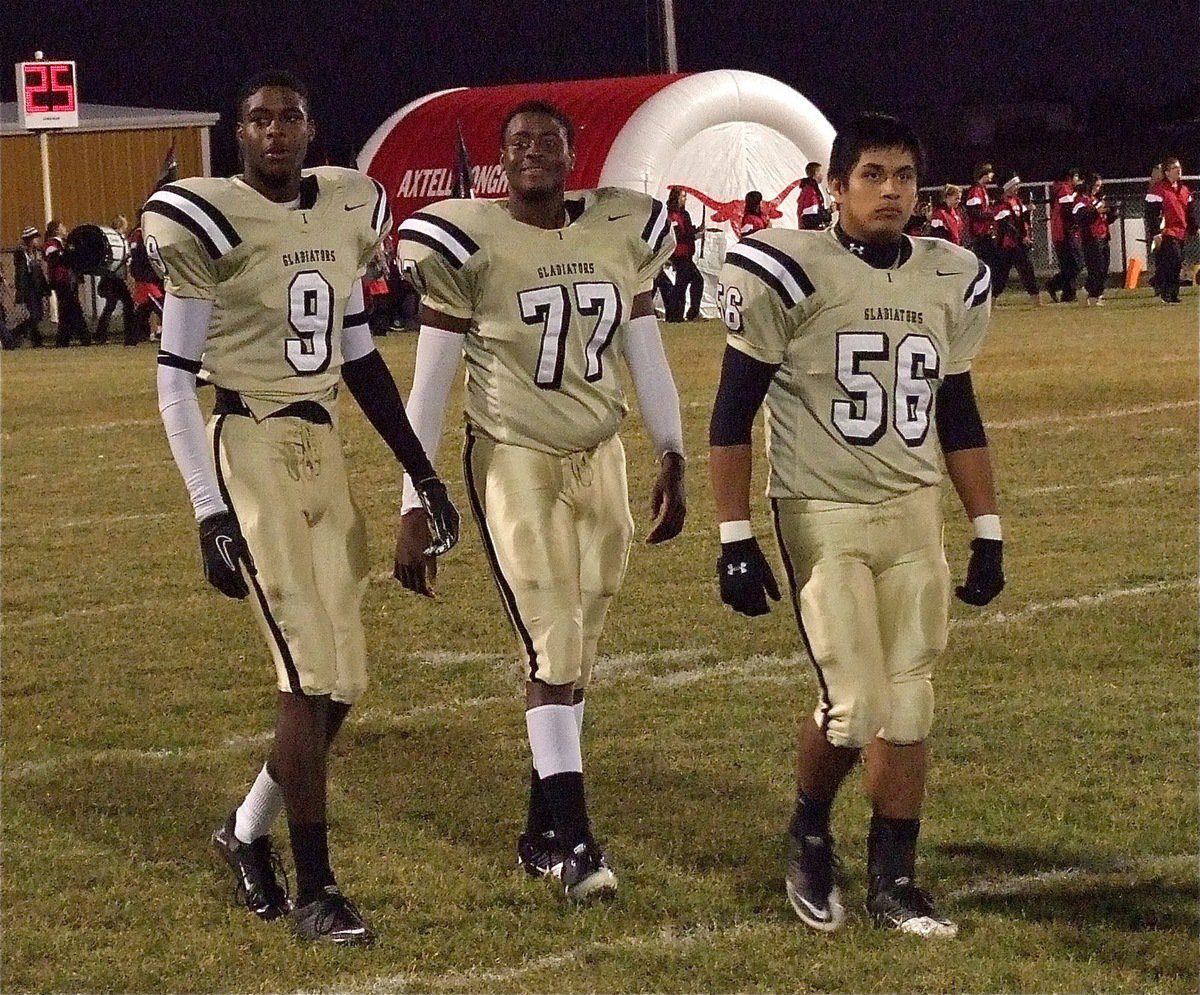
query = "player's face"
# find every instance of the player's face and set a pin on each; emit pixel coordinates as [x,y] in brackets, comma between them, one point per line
[273,135]
[878,197]
[536,157]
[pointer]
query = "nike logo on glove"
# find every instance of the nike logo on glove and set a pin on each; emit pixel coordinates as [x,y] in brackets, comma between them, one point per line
[223,544]
[347,207]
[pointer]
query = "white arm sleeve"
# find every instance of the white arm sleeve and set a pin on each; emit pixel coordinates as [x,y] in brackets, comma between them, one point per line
[658,400]
[356,333]
[438,353]
[184,332]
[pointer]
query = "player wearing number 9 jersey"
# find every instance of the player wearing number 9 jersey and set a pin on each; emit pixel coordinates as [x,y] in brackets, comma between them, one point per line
[546,294]
[860,340]
[264,301]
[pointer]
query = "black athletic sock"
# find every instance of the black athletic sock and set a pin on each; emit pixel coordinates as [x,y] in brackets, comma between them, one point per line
[565,799]
[811,818]
[892,849]
[538,819]
[310,849]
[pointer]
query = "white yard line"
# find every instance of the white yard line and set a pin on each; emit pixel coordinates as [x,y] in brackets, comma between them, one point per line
[1068,604]
[1058,419]
[1025,884]
[1116,482]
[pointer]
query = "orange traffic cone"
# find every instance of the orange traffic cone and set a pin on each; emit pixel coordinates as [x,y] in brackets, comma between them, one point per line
[1132,273]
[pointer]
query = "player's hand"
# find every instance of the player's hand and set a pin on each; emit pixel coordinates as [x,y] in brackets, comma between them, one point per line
[746,577]
[442,517]
[415,568]
[985,573]
[224,550]
[1156,243]
[668,503]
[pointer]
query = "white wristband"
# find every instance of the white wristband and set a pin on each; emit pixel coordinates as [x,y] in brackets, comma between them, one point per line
[987,527]
[736,531]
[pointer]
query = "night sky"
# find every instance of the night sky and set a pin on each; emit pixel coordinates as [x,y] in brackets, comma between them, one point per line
[1118,63]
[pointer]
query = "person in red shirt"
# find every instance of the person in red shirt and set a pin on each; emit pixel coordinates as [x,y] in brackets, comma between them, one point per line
[1063,237]
[64,281]
[753,218]
[981,222]
[1091,217]
[812,210]
[147,288]
[1014,236]
[688,280]
[947,219]
[1174,201]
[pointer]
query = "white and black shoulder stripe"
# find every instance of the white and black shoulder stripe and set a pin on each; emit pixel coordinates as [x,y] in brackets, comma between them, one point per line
[979,289]
[443,236]
[657,226]
[778,270]
[191,211]
[381,216]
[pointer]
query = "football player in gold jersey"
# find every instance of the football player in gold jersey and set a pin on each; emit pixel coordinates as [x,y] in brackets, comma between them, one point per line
[264,301]
[860,340]
[544,293]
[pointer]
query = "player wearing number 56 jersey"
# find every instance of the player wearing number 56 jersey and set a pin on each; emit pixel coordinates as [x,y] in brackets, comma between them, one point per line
[264,301]
[546,295]
[860,340]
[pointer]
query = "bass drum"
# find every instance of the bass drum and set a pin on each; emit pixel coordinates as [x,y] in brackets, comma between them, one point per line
[97,250]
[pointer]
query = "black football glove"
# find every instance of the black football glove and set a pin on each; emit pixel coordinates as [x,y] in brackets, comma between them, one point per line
[985,572]
[442,515]
[223,547]
[746,577]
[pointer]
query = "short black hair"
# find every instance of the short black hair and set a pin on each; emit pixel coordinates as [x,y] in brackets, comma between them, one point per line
[811,169]
[983,168]
[541,107]
[271,77]
[754,202]
[871,131]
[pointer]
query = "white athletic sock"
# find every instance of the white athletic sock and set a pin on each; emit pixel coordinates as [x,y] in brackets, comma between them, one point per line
[554,739]
[261,808]
[578,706]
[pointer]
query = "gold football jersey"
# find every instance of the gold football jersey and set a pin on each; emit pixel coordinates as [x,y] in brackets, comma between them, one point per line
[549,309]
[279,276]
[861,354]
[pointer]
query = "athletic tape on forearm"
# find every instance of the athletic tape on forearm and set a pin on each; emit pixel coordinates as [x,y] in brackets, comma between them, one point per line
[438,354]
[658,398]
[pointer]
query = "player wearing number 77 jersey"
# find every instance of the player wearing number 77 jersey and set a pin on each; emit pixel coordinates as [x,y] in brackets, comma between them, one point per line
[860,340]
[264,300]
[546,295]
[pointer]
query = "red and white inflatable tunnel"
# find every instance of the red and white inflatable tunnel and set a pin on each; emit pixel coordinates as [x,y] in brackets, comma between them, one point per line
[720,133]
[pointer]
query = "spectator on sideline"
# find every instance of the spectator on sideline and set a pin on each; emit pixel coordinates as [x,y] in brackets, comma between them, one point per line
[1152,219]
[1063,237]
[918,223]
[1014,236]
[688,278]
[147,289]
[753,218]
[64,281]
[115,290]
[1175,203]
[812,208]
[947,220]
[1091,217]
[31,288]
[981,223]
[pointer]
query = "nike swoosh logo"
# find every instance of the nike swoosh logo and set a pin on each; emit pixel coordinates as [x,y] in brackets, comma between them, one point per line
[617,217]
[951,273]
[347,207]
[223,544]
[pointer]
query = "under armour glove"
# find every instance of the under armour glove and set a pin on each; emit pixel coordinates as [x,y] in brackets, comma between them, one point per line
[746,577]
[443,516]
[223,546]
[985,572]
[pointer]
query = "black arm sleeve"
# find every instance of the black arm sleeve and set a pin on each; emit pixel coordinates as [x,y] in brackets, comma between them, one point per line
[958,423]
[744,383]
[373,387]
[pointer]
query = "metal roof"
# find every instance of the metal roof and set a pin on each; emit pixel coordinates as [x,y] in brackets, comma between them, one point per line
[109,117]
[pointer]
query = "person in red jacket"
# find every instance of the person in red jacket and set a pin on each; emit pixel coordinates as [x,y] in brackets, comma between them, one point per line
[1063,237]
[64,281]
[947,220]
[981,222]
[1091,217]
[688,279]
[753,218]
[1014,236]
[1174,200]
[812,210]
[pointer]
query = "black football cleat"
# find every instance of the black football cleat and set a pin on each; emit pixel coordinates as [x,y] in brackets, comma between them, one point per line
[255,866]
[901,905]
[332,918]
[538,854]
[811,888]
[586,875]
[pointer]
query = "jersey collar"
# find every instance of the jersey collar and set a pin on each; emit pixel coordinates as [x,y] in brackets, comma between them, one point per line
[876,255]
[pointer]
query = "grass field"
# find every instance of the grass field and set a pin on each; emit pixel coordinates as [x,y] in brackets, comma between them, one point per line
[1061,830]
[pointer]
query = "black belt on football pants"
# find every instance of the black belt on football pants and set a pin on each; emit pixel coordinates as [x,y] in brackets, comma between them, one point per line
[229,402]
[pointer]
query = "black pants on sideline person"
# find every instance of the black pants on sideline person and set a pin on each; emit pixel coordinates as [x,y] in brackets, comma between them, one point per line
[1168,261]
[1063,282]
[687,278]
[71,323]
[115,291]
[1006,260]
[35,307]
[1096,257]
